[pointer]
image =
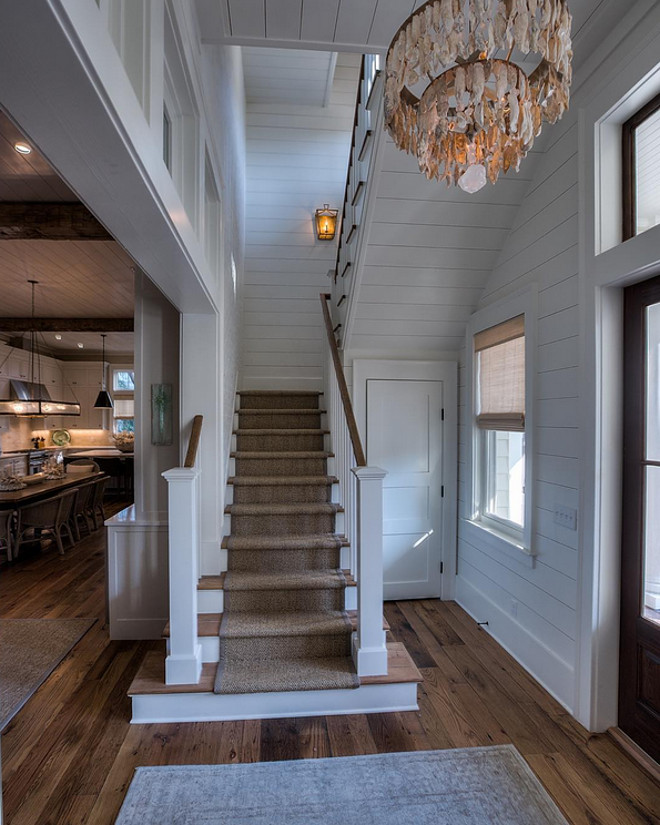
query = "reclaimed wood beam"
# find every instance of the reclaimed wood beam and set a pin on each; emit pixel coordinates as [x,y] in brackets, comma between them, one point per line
[49,222]
[66,324]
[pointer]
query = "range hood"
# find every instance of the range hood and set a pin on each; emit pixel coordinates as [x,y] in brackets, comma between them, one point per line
[28,400]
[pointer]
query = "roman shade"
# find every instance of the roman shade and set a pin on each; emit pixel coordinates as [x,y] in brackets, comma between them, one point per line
[500,352]
[124,408]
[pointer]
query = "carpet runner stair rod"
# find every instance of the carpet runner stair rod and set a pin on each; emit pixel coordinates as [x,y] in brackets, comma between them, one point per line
[284,625]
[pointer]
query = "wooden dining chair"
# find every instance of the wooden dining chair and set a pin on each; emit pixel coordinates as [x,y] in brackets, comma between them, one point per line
[96,509]
[81,509]
[52,515]
[6,522]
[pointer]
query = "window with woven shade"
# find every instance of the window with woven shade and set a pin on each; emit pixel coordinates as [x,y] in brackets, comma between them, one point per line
[500,353]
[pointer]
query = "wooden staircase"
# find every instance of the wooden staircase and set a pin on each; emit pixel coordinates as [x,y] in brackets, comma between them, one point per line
[288,486]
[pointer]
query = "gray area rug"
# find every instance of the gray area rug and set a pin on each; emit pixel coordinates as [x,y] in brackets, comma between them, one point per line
[471,786]
[30,649]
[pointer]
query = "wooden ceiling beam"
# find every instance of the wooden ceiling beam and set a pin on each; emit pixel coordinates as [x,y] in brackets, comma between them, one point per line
[49,222]
[66,324]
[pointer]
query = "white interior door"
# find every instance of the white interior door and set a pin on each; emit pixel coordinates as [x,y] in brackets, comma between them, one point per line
[404,435]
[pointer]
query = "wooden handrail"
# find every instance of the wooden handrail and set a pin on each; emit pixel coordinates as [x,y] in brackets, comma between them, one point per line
[360,459]
[193,443]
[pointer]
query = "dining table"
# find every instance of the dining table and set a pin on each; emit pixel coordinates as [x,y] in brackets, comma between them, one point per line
[11,499]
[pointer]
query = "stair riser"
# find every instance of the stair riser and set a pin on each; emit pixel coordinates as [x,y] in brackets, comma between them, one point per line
[280,466]
[278,421]
[210,601]
[283,601]
[283,525]
[288,647]
[276,494]
[279,402]
[280,443]
[284,561]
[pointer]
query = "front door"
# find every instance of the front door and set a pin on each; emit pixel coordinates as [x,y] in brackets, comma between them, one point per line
[404,437]
[639,668]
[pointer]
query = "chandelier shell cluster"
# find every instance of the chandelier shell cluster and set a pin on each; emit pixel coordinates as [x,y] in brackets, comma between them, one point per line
[480,112]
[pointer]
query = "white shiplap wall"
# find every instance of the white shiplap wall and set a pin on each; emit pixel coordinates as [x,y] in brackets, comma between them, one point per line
[542,249]
[296,161]
[430,253]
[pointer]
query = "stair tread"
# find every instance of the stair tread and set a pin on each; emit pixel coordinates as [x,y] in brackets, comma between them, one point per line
[282,509]
[279,393]
[281,454]
[303,580]
[299,623]
[282,411]
[313,541]
[285,675]
[280,431]
[150,678]
[282,481]
[212,582]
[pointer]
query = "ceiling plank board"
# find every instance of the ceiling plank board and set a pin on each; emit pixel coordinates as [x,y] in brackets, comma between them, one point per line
[319,19]
[248,18]
[354,20]
[389,15]
[283,21]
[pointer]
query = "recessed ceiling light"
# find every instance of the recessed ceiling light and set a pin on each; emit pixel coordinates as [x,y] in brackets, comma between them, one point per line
[58,337]
[22,148]
[80,346]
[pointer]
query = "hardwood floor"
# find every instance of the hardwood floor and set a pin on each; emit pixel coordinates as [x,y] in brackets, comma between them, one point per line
[69,755]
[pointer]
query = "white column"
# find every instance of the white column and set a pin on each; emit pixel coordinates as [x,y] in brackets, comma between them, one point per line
[183,665]
[369,650]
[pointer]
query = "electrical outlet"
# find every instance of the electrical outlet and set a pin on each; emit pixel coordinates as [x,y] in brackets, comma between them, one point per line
[565,517]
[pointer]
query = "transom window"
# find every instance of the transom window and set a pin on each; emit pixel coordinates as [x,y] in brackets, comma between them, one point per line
[123,381]
[641,170]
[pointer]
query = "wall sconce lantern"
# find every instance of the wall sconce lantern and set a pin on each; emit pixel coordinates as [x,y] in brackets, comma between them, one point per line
[326,223]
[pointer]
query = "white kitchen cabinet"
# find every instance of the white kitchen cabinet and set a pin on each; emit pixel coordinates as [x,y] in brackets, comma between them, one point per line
[85,381]
[17,463]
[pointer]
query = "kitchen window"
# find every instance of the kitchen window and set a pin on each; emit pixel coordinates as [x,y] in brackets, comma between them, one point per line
[123,411]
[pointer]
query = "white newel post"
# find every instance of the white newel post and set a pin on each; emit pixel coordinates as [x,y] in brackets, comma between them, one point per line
[183,665]
[369,649]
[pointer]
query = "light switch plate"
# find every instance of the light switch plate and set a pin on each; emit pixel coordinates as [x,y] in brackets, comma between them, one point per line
[565,517]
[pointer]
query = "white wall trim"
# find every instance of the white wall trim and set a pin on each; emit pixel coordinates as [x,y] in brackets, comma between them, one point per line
[605,267]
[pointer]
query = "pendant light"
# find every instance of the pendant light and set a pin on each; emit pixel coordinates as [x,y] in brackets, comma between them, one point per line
[103,400]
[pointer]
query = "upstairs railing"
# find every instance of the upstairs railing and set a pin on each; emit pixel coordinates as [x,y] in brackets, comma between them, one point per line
[183,665]
[361,489]
[358,198]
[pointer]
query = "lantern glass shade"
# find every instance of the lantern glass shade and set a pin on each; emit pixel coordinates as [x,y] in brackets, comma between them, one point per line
[326,223]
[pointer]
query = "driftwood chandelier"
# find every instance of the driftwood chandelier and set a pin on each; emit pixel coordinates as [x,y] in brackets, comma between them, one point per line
[481,111]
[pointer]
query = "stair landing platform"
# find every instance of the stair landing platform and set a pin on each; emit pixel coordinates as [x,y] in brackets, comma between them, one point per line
[154,701]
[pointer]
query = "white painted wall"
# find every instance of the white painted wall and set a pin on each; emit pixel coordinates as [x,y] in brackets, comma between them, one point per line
[296,161]
[555,630]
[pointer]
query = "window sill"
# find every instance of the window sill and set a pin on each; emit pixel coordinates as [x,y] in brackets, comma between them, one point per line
[500,542]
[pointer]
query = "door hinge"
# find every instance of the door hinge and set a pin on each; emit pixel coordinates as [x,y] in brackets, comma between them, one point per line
[442,567]
[442,414]
[442,491]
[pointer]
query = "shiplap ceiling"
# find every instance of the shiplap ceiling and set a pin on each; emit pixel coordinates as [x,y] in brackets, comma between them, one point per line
[77,279]
[354,25]
[298,76]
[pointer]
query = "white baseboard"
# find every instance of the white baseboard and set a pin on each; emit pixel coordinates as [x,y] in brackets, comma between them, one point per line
[553,673]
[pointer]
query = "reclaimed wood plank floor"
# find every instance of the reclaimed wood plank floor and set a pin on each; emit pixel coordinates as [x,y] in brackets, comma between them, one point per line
[69,755]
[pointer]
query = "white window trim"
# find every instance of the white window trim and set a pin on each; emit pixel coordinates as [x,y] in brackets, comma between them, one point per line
[518,543]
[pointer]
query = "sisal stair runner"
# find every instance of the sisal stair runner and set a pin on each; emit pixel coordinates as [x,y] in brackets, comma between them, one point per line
[284,627]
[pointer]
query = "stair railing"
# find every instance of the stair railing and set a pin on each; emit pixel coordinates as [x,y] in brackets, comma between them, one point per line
[183,665]
[361,489]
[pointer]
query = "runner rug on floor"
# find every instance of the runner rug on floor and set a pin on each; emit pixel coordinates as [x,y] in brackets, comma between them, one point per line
[470,786]
[30,649]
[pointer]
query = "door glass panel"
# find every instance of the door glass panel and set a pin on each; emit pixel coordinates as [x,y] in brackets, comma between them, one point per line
[651,561]
[653,383]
